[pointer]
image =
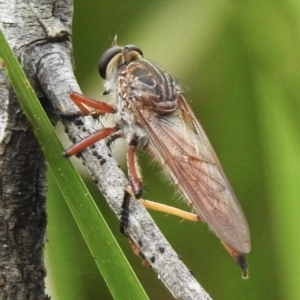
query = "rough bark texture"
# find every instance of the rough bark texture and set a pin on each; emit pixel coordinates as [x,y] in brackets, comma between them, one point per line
[22,206]
[38,32]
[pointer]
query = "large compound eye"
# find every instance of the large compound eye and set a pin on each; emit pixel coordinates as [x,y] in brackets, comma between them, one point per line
[134,48]
[106,58]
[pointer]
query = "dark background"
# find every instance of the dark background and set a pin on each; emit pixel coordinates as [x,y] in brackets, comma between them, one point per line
[240,66]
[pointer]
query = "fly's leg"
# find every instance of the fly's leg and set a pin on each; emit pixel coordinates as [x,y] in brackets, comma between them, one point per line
[125,213]
[162,207]
[90,140]
[170,210]
[151,205]
[133,170]
[85,103]
[135,188]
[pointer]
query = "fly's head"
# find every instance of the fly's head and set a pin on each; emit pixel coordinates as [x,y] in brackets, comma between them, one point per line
[113,61]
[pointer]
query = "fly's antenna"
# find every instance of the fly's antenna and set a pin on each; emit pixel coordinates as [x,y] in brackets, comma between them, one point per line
[114,42]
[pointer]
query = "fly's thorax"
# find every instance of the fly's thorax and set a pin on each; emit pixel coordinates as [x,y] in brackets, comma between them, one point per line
[145,88]
[149,87]
[128,122]
[130,127]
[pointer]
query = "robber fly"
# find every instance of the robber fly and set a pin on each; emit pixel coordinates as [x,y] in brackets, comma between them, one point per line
[151,112]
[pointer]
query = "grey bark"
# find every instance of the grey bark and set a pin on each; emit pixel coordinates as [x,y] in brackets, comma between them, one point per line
[38,32]
[22,205]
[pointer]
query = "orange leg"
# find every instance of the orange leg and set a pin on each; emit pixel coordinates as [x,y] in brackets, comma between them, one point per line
[165,208]
[170,210]
[90,140]
[133,171]
[83,103]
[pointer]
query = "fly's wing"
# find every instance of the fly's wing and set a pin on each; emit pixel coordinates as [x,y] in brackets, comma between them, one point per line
[179,144]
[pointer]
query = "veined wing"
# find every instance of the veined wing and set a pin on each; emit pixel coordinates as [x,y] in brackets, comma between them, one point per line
[178,142]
